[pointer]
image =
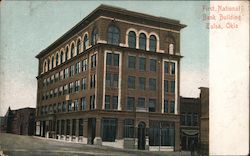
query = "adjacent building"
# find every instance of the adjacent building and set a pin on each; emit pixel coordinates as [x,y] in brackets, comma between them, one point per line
[20,121]
[113,79]
[190,122]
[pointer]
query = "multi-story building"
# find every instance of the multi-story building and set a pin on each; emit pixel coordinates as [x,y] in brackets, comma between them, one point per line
[190,121]
[113,79]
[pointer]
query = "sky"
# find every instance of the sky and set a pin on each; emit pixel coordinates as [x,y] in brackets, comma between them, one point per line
[28,27]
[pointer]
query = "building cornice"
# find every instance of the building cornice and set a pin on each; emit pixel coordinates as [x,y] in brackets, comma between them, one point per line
[114,12]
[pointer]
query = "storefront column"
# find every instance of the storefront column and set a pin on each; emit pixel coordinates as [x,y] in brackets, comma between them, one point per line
[70,130]
[85,131]
[98,139]
[177,136]
[77,129]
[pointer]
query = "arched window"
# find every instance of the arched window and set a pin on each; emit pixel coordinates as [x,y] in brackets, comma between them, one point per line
[57,57]
[132,39]
[67,54]
[142,41]
[113,35]
[78,49]
[61,57]
[94,36]
[52,62]
[171,48]
[152,43]
[48,64]
[72,50]
[85,42]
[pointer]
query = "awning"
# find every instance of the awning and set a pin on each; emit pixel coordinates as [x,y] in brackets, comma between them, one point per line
[190,132]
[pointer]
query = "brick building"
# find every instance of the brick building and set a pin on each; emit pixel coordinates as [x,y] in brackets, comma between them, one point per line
[113,79]
[190,121]
[20,121]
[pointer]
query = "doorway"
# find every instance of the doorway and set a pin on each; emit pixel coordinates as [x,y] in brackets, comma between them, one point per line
[91,130]
[141,136]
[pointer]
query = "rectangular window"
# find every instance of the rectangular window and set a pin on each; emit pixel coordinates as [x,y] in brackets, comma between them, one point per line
[115,80]
[130,103]
[142,64]
[76,105]
[92,102]
[142,83]
[60,91]
[166,68]
[61,75]
[141,102]
[152,84]
[80,127]
[77,85]
[183,119]
[64,106]
[84,85]
[51,94]
[109,59]
[66,73]
[57,126]
[69,105]
[131,62]
[93,61]
[189,119]
[165,106]
[108,80]
[83,103]
[92,81]
[152,105]
[107,102]
[195,119]
[165,85]
[55,92]
[131,82]
[128,128]
[115,102]
[71,87]
[172,86]
[56,77]
[153,64]
[65,89]
[172,107]
[116,59]
[109,127]
[71,72]
[59,107]
[172,68]
[52,79]
[48,81]
[84,65]
[78,65]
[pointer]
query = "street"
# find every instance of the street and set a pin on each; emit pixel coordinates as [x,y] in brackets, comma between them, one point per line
[17,145]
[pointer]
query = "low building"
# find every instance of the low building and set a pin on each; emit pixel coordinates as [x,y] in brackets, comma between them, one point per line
[21,121]
[190,114]
[204,121]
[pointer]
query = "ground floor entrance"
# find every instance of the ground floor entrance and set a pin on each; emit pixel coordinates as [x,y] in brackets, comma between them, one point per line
[128,133]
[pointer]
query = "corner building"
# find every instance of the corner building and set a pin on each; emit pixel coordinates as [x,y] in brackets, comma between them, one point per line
[113,79]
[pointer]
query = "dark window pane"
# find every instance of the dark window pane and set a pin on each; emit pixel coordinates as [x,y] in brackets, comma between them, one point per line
[142,63]
[109,59]
[142,41]
[115,102]
[116,59]
[142,83]
[113,35]
[141,102]
[128,128]
[152,43]
[130,103]
[152,84]
[107,102]
[131,62]
[109,127]
[132,39]
[153,65]
[131,82]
